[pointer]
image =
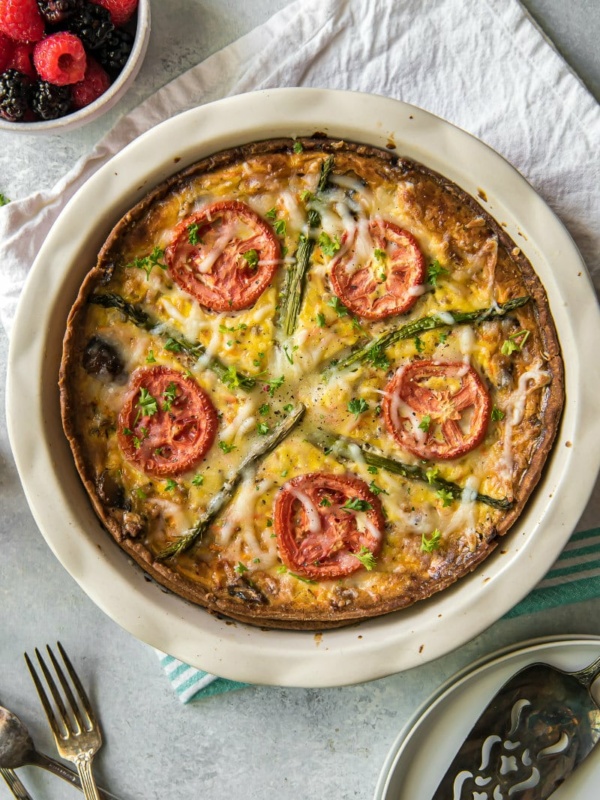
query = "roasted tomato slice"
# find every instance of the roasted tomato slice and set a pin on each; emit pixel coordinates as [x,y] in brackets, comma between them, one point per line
[437,410]
[379,281]
[167,422]
[324,521]
[224,255]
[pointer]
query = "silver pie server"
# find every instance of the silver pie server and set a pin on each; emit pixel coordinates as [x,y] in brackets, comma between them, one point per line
[530,737]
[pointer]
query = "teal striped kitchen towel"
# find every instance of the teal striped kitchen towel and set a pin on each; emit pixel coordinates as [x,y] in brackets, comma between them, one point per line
[575,576]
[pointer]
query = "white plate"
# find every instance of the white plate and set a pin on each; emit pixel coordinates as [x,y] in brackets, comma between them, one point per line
[427,744]
[61,508]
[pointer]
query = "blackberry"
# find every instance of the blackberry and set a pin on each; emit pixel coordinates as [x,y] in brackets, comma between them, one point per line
[15,95]
[115,51]
[92,24]
[55,11]
[50,101]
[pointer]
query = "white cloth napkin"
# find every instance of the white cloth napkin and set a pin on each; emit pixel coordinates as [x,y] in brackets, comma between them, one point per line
[481,64]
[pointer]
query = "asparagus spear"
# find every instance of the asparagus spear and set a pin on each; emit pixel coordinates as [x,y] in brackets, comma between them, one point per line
[374,350]
[225,494]
[294,280]
[177,344]
[341,448]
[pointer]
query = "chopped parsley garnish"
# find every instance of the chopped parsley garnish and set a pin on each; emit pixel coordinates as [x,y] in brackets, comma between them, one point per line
[225,329]
[231,378]
[376,489]
[419,344]
[445,496]
[150,357]
[328,245]
[171,484]
[380,254]
[434,270]
[301,578]
[226,448]
[366,558]
[282,569]
[280,227]
[240,568]
[264,409]
[443,337]
[127,432]
[432,474]
[306,196]
[197,480]
[262,428]
[192,230]
[269,522]
[285,473]
[428,545]
[425,423]
[325,502]
[515,342]
[289,355]
[297,148]
[337,305]
[173,346]
[141,494]
[147,403]
[169,394]
[147,263]
[358,406]
[288,407]
[4,201]
[271,213]
[377,357]
[356,504]
[251,257]
[497,414]
[321,320]
[372,470]
[272,386]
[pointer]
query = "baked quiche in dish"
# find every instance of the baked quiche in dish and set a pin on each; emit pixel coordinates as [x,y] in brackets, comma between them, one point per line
[309,382]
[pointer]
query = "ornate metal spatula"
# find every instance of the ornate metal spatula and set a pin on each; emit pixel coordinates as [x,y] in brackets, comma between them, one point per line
[531,736]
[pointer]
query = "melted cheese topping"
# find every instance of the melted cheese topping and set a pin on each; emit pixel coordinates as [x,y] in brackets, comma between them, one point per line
[477,274]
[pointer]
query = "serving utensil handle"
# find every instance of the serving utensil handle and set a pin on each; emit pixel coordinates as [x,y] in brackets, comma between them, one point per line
[66,773]
[15,785]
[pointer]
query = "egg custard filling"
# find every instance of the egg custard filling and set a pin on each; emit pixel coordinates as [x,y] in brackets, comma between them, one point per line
[309,382]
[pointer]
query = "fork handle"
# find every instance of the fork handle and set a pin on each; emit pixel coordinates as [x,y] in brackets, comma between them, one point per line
[15,785]
[66,773]
[83,762]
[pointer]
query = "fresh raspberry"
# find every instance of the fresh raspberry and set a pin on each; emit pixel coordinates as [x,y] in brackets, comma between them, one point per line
[22,59]
[120,10]
[60,59]
[95,83]
[21,20]
[6,51]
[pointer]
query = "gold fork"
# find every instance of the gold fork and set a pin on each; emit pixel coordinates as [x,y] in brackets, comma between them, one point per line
[77,735]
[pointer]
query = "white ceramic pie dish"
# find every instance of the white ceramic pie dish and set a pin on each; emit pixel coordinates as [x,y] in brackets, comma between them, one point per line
[58,501]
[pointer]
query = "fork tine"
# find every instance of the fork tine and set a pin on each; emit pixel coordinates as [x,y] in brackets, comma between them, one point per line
[43,698]
[67,690]
[85,702]
[66,720]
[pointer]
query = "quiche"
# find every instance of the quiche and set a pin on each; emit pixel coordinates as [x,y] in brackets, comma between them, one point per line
[309,382]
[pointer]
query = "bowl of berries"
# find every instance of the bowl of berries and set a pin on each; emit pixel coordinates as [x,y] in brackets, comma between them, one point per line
[65,62]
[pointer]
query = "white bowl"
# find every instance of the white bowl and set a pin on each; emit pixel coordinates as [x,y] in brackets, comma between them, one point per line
[60,505]
[107,100]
